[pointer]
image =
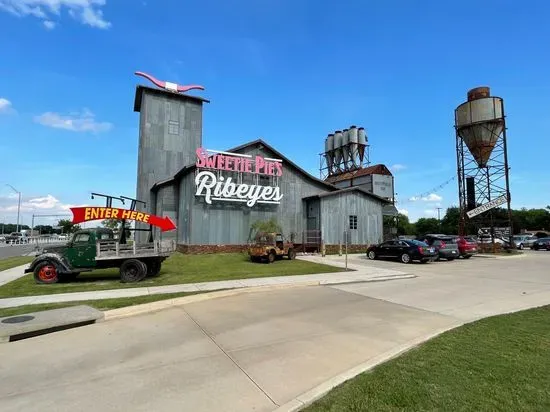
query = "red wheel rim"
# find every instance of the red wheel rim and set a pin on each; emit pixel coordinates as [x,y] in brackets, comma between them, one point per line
[47,273]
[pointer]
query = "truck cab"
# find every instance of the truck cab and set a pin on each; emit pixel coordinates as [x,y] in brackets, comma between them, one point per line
[81,248]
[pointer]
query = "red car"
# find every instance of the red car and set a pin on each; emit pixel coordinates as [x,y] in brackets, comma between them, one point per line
[466,247]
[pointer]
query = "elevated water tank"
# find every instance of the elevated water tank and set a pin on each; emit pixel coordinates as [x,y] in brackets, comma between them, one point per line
[479,122]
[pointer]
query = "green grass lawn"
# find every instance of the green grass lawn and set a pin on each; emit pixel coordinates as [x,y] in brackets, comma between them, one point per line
[179,268]
[11,262]
[103,304]
[500,363]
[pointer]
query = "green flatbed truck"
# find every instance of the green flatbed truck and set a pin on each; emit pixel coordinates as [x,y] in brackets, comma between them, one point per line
[91,249]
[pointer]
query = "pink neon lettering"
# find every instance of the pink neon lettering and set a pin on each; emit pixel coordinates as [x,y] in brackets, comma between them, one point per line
[260,163]
[201,157]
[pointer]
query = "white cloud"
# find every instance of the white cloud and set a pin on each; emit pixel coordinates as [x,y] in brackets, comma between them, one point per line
[45,203]
[403,212]
[5,106]
[77,122]
[432,197]
[397,167]
[88,12]
[50,25]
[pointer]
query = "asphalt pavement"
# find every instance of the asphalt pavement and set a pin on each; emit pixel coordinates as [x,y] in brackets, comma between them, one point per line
[22,250]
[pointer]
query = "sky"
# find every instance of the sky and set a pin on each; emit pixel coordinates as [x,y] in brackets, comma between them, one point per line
[289,72]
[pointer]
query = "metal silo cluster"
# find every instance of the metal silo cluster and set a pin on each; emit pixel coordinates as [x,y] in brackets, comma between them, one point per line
[345,150]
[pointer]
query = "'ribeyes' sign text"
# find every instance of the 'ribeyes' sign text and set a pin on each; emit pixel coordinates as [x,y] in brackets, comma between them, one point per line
[213,186]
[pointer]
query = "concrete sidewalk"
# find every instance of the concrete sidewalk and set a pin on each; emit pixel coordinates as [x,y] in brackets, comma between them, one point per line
[360,273]
[9,275]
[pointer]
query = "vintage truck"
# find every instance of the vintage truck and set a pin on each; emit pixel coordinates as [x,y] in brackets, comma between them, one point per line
[270,246]
[90,249]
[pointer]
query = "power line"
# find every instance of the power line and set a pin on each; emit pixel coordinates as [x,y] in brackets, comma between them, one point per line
[428,192]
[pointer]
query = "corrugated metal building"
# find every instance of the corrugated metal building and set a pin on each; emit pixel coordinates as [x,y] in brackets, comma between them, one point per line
[308,205]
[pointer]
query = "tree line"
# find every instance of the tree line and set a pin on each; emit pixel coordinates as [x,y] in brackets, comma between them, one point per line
[522,219]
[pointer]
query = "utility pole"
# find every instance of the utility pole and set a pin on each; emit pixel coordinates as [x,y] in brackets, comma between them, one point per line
[18,204]
[438,214]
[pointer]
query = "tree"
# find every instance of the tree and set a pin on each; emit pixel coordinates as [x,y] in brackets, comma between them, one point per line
[111,223]
[43,229]
[67,226]
[427,225]
[270,225]
[449,223]
[404,226]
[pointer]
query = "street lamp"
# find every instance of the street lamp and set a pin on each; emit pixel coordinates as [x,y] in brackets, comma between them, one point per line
[18,204]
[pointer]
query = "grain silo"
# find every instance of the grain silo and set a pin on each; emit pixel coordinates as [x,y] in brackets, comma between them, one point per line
[482,161]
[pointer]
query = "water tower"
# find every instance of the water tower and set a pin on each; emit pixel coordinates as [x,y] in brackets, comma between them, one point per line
[482,161]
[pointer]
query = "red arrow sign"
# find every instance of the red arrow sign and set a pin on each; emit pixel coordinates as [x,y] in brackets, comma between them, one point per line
[85,214]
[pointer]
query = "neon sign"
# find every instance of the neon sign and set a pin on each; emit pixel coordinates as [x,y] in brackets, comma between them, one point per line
[212,185]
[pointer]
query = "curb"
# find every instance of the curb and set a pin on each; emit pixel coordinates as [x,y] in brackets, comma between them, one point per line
[199,297]
[307,398]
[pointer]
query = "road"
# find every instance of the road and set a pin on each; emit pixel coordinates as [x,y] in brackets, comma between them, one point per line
[253,352]
[21,250]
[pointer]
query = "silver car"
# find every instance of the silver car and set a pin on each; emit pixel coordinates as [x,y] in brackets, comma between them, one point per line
[523,241]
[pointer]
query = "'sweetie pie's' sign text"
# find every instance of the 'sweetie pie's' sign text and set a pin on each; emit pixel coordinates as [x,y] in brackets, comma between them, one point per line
[214,187]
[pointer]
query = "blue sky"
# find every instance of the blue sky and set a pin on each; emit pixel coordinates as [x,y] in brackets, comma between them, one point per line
[287,71]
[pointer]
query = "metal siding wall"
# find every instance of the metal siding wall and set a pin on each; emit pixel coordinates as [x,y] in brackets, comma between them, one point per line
[229,223]
[186,192]
[161,154]
[335,212]
[166,204]
[382,185]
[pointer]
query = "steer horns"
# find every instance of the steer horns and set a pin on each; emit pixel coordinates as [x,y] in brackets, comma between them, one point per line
[173,87]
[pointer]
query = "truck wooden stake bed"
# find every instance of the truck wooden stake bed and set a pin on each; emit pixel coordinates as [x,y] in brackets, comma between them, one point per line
[91,249]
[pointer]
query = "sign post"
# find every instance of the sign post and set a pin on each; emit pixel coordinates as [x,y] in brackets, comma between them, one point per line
[487,206]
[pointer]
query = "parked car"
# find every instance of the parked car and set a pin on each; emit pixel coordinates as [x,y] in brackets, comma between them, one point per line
[17,238]
[523,241]
[445,246]
[404,250]
[542,243]
[466,247]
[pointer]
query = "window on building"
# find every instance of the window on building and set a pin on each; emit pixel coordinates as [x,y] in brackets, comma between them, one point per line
[353,222]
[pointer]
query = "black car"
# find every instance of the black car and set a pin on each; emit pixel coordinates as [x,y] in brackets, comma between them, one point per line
[404,250]
[445,246]
[542,243]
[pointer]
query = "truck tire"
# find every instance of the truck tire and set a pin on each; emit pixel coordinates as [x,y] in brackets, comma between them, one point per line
[271,257]
[153,268]
[132,270]
[291,254]
[46,273]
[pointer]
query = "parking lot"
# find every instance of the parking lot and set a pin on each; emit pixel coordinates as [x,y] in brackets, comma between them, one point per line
[466,289]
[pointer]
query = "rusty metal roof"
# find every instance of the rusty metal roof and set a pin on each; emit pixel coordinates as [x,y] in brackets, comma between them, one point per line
[379,169]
